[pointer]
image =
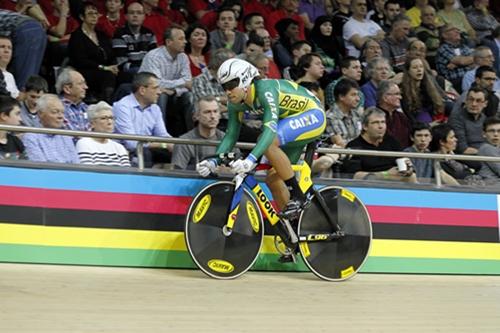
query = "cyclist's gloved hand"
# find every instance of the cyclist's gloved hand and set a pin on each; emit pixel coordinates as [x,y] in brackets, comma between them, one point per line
[244,166]
[205,167]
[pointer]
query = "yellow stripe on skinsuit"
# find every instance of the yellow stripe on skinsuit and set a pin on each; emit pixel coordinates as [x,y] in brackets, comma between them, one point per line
[312,134]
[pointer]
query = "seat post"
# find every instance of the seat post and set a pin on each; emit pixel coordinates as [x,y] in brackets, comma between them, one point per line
[310,150]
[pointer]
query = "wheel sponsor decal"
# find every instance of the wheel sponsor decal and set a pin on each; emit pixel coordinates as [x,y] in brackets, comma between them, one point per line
[220,266]
[304,249]
[252,216]
[347,272]
[348,195]
[202,208]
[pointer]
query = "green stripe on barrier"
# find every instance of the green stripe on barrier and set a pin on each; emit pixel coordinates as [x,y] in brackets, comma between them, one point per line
[266,262]
[119,257]
[431,266]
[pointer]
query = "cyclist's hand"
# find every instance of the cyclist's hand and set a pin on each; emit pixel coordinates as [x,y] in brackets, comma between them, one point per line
[243,166]
[205,167]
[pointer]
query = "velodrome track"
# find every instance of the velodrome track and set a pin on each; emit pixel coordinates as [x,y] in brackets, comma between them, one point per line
[50,298]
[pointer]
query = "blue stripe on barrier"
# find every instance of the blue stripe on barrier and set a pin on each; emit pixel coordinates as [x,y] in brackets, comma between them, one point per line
[160,185]
[427,199]
[100,182]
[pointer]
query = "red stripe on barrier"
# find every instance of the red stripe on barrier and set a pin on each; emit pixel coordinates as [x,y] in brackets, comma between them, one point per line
[88,200]
[434,216]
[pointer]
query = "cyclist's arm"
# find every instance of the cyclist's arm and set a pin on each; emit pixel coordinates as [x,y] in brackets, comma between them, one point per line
[269,100]
[232,131]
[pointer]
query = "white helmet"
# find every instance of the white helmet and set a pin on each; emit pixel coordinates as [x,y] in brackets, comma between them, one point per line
[232,69]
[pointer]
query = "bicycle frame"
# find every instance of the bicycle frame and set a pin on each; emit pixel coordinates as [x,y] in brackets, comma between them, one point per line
[305,184]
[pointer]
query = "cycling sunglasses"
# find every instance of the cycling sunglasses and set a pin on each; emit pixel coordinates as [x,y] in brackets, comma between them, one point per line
[230,85]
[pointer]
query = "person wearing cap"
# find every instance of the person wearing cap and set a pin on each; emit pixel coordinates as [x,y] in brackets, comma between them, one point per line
[453,57]
[450,14]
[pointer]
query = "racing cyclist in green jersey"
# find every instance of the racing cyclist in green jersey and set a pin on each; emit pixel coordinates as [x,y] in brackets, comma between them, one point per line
[292,117]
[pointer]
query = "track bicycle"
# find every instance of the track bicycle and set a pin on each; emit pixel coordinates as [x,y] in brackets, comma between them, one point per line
[224,228]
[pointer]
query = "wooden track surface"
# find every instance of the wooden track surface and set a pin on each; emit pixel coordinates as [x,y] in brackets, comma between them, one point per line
[46,298]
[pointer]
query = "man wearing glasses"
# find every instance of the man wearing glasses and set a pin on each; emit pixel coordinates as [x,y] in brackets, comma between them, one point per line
[102,151]
[485,77]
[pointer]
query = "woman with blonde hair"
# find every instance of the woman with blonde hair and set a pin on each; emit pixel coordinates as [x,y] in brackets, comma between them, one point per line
[423,99]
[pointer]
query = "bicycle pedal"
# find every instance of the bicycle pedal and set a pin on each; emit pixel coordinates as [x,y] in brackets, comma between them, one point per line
[288,258]
[293,209]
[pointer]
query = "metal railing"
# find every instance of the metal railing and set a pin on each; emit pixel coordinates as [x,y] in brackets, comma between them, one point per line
[144,139]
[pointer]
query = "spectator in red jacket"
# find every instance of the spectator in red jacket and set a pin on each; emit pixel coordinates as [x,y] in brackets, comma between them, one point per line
[113,19]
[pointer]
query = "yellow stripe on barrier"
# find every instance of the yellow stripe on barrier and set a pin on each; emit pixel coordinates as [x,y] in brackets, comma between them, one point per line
[91,237]
[435,249]
[163,240]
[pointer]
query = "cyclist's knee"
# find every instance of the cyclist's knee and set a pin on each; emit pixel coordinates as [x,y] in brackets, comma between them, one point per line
[272,177]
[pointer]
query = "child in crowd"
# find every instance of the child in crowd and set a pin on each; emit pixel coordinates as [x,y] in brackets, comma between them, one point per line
[11,146]
[35,87]
[421,138]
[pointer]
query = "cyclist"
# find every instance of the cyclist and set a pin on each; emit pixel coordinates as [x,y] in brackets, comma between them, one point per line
[292,117]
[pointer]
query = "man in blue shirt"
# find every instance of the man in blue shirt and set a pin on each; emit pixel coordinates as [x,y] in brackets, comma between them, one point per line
[50,147]
[138,114]
[72,88]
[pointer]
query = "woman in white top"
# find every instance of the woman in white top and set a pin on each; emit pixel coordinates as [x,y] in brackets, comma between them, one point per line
[102,151]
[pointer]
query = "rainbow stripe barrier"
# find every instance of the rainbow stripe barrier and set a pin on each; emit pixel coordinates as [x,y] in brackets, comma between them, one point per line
[91,217]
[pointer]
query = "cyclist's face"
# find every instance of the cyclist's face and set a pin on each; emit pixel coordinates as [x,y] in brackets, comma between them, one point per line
[235,95]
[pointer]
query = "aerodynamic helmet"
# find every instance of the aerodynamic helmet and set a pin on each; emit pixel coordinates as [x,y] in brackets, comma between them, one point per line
[236,73]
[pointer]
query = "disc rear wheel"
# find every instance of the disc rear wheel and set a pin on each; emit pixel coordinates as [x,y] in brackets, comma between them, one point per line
[337,259]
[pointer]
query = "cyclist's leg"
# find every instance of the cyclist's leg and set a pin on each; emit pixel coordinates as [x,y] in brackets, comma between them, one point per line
[293,134]
[275,182]
[282,171]
[278,189]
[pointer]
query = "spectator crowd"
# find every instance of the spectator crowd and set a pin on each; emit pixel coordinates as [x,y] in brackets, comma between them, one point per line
[393,75]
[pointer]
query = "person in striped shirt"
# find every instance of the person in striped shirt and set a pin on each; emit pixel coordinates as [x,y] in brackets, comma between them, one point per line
[102,151]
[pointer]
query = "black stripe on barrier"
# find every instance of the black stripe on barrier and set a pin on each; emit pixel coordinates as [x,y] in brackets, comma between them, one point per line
[172,222]
[434,232]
